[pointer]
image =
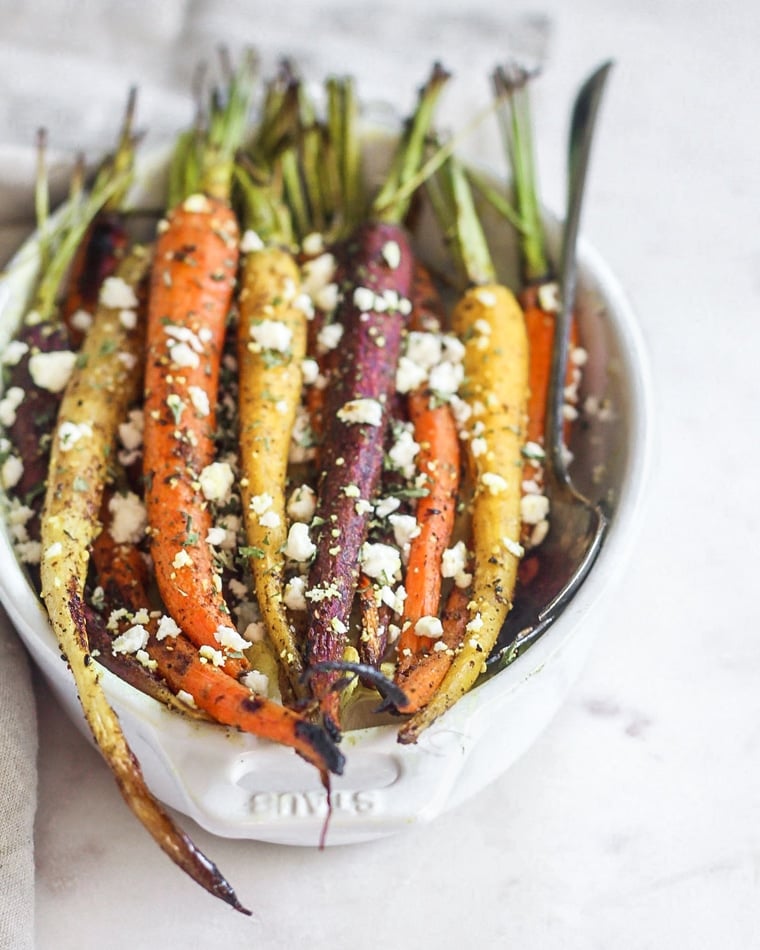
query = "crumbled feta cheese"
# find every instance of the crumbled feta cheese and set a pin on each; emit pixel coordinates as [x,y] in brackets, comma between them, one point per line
[513,547]
[29,552]
[538,533]
[386,506]
[133,639]
[317,273]
[216,481]
[272,335]
[486,297]
[405,528]
[294,595]
[409,375]
[393,598]
[302,503]
[257,682]
[182,559]
[116,293]
[131,431]
[493,482]
[250,241]
[533,450]
[309,371]
[69,433]
[216,537]
[533,508]
[183,355]
[454,560]
[391,254]
[446,378]
[361,412]
[270,519]
[184,697]
[261,503]
[429,627]
[453,348]
[255,631]
[478,447]
[199,399]
[10,402]
[128,319]
[167,628]
[424,348]
[461,410]
[475,624]
[364,299]
[128,518]
[14,350]
[326,298]
[313,244]
[81,320]
[208,653]
[549,297]
[127,359]
[329,336]
[403,453]
[299,546]
[230,639]
[380,560]
[197,203]
[304,303]
[578,356]
[51,371]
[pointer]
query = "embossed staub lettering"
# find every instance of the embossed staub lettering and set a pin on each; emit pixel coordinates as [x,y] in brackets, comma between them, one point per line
[311,804]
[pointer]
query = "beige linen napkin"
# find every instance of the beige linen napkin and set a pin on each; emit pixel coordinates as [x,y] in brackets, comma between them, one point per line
[18,792]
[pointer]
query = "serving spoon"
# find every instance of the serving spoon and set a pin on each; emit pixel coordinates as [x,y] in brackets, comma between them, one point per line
[579,526]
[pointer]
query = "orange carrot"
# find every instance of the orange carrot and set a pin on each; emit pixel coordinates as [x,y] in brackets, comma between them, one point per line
[539,296]
[190,296]
[438,459]
[192,284]
[420,677]
[123,575]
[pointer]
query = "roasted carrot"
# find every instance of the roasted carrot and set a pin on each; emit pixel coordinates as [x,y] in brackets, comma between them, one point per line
[38,362]
[191,291]
[490,322]
[539,294]
[373,310]
[438,460]
[420,679]
[120,569]
[271,348]
[101,387]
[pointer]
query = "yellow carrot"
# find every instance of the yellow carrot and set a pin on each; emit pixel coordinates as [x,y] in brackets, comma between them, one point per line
[490,322]
[271,347]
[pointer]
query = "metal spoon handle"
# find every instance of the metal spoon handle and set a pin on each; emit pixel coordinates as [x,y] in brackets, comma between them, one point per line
[581,136]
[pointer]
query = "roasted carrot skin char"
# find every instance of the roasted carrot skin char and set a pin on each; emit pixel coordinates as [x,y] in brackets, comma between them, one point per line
[352,455]
[190,296]
[97,258]
[122,572]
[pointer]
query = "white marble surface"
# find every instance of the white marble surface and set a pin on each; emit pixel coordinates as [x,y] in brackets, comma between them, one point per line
[634,822]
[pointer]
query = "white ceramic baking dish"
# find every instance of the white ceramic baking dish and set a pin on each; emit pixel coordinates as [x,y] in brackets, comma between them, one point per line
[235,785]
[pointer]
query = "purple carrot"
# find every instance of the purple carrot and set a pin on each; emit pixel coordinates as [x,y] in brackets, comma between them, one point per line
[373,312]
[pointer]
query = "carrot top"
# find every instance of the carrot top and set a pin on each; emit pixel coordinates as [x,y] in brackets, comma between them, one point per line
[204,156]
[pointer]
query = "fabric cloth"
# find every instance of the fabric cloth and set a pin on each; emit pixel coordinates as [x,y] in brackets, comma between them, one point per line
[18,792]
